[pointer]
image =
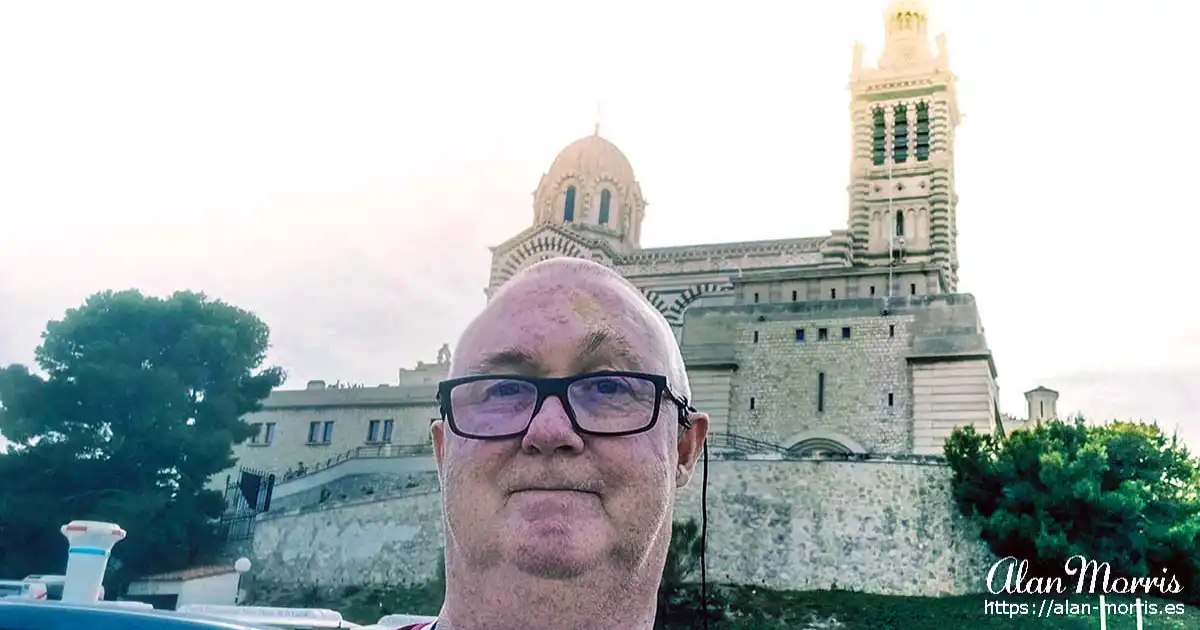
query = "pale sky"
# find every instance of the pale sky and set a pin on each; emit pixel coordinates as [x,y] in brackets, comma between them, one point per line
[340,168]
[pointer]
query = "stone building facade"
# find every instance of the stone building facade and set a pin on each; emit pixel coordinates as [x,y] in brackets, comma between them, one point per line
[855,341]
[305,430]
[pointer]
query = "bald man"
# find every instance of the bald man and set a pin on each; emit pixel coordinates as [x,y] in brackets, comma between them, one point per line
[565,433]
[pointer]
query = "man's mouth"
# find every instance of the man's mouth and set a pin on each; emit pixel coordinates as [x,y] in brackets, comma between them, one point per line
[575,490]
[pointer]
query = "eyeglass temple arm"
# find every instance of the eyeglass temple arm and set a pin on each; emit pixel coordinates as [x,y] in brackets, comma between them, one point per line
[685,408]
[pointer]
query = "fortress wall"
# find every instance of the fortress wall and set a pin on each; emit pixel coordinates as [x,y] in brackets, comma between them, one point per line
[878,527]
[873,526]
[388,540]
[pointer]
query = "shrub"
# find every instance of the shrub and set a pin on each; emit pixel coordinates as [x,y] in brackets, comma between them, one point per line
[1122,493]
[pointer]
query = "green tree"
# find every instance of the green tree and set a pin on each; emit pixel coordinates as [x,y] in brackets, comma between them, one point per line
[1123,493]
[679,604]
[140,405]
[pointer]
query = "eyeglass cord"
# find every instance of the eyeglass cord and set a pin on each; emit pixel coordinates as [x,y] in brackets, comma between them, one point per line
[704,539]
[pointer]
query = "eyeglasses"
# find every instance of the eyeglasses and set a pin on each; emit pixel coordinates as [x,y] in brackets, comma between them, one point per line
[609,403]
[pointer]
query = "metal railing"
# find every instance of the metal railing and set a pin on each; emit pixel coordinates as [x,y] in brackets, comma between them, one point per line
[736,446]
[380,451]
[247,495]
[742,444]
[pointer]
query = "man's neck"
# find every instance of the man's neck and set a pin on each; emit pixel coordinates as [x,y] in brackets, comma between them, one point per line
[522,602]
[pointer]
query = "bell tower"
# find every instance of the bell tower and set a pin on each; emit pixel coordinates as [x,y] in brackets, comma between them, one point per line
[904,113]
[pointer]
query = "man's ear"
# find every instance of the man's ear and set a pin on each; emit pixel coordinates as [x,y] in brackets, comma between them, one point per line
[691,445]
[437,430]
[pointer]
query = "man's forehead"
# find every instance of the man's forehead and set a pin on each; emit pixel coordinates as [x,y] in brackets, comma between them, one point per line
[590,322]
[596,349]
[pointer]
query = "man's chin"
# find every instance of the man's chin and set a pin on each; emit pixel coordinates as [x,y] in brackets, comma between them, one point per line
[548,565]
[556,549]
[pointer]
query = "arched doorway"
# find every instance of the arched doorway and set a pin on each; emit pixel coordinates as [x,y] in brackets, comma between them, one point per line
[823,443]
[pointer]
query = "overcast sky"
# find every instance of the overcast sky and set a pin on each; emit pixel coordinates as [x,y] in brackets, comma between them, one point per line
[340,168]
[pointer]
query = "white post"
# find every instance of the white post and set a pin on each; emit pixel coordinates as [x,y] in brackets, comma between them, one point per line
[87,558]
[241,566]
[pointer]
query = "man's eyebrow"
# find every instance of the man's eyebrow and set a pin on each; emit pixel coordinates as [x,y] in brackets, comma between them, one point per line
[606,346]
[508,360]
[598,348]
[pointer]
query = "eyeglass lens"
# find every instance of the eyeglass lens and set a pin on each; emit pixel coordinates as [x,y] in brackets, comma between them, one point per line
[602,404]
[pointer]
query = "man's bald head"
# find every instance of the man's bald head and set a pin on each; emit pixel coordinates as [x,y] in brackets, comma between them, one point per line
[580,282]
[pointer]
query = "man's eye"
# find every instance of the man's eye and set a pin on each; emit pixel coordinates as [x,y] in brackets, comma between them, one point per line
[505,388]
[609,386]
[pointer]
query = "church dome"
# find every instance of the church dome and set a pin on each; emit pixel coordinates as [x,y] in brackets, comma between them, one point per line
[592,155]
[591,186]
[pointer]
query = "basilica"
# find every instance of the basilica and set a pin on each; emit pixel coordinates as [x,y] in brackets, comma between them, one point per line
[854,341]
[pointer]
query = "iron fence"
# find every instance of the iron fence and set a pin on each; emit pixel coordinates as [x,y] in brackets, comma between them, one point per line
[380,451]
[246,496]
[732,446]
[742,444]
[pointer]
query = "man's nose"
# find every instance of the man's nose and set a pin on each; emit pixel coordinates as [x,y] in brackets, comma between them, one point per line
[551,431]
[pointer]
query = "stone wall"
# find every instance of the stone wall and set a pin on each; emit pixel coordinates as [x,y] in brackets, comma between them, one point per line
[782,349]
[877,526]
[759,368]
[385,540]
[355,487]
[874,526]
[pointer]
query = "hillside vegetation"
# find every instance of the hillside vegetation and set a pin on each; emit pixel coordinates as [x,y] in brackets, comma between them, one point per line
[750,608]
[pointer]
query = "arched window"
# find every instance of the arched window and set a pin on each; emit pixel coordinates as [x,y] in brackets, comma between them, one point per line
[899,223]
[605,205]
[569,206]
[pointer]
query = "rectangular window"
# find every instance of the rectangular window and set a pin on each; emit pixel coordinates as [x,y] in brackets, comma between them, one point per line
[845,332]
[756,298]
[314,431]
[327,435]
[900,134]
[833,294]
[891,399]
[872,290]
[794,296]
[799,334]
[822,334]
[388,425]
[751,403]
[821,392]
[891,330]
[270,437]
[912,289]
[878,137]
[756,336]
[257,426]
[373,431]
[922,139]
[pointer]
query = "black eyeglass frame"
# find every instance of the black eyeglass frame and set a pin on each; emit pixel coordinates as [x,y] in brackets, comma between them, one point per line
[558,387]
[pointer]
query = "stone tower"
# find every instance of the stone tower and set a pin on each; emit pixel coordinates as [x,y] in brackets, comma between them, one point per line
[1042,403]
[903,115]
